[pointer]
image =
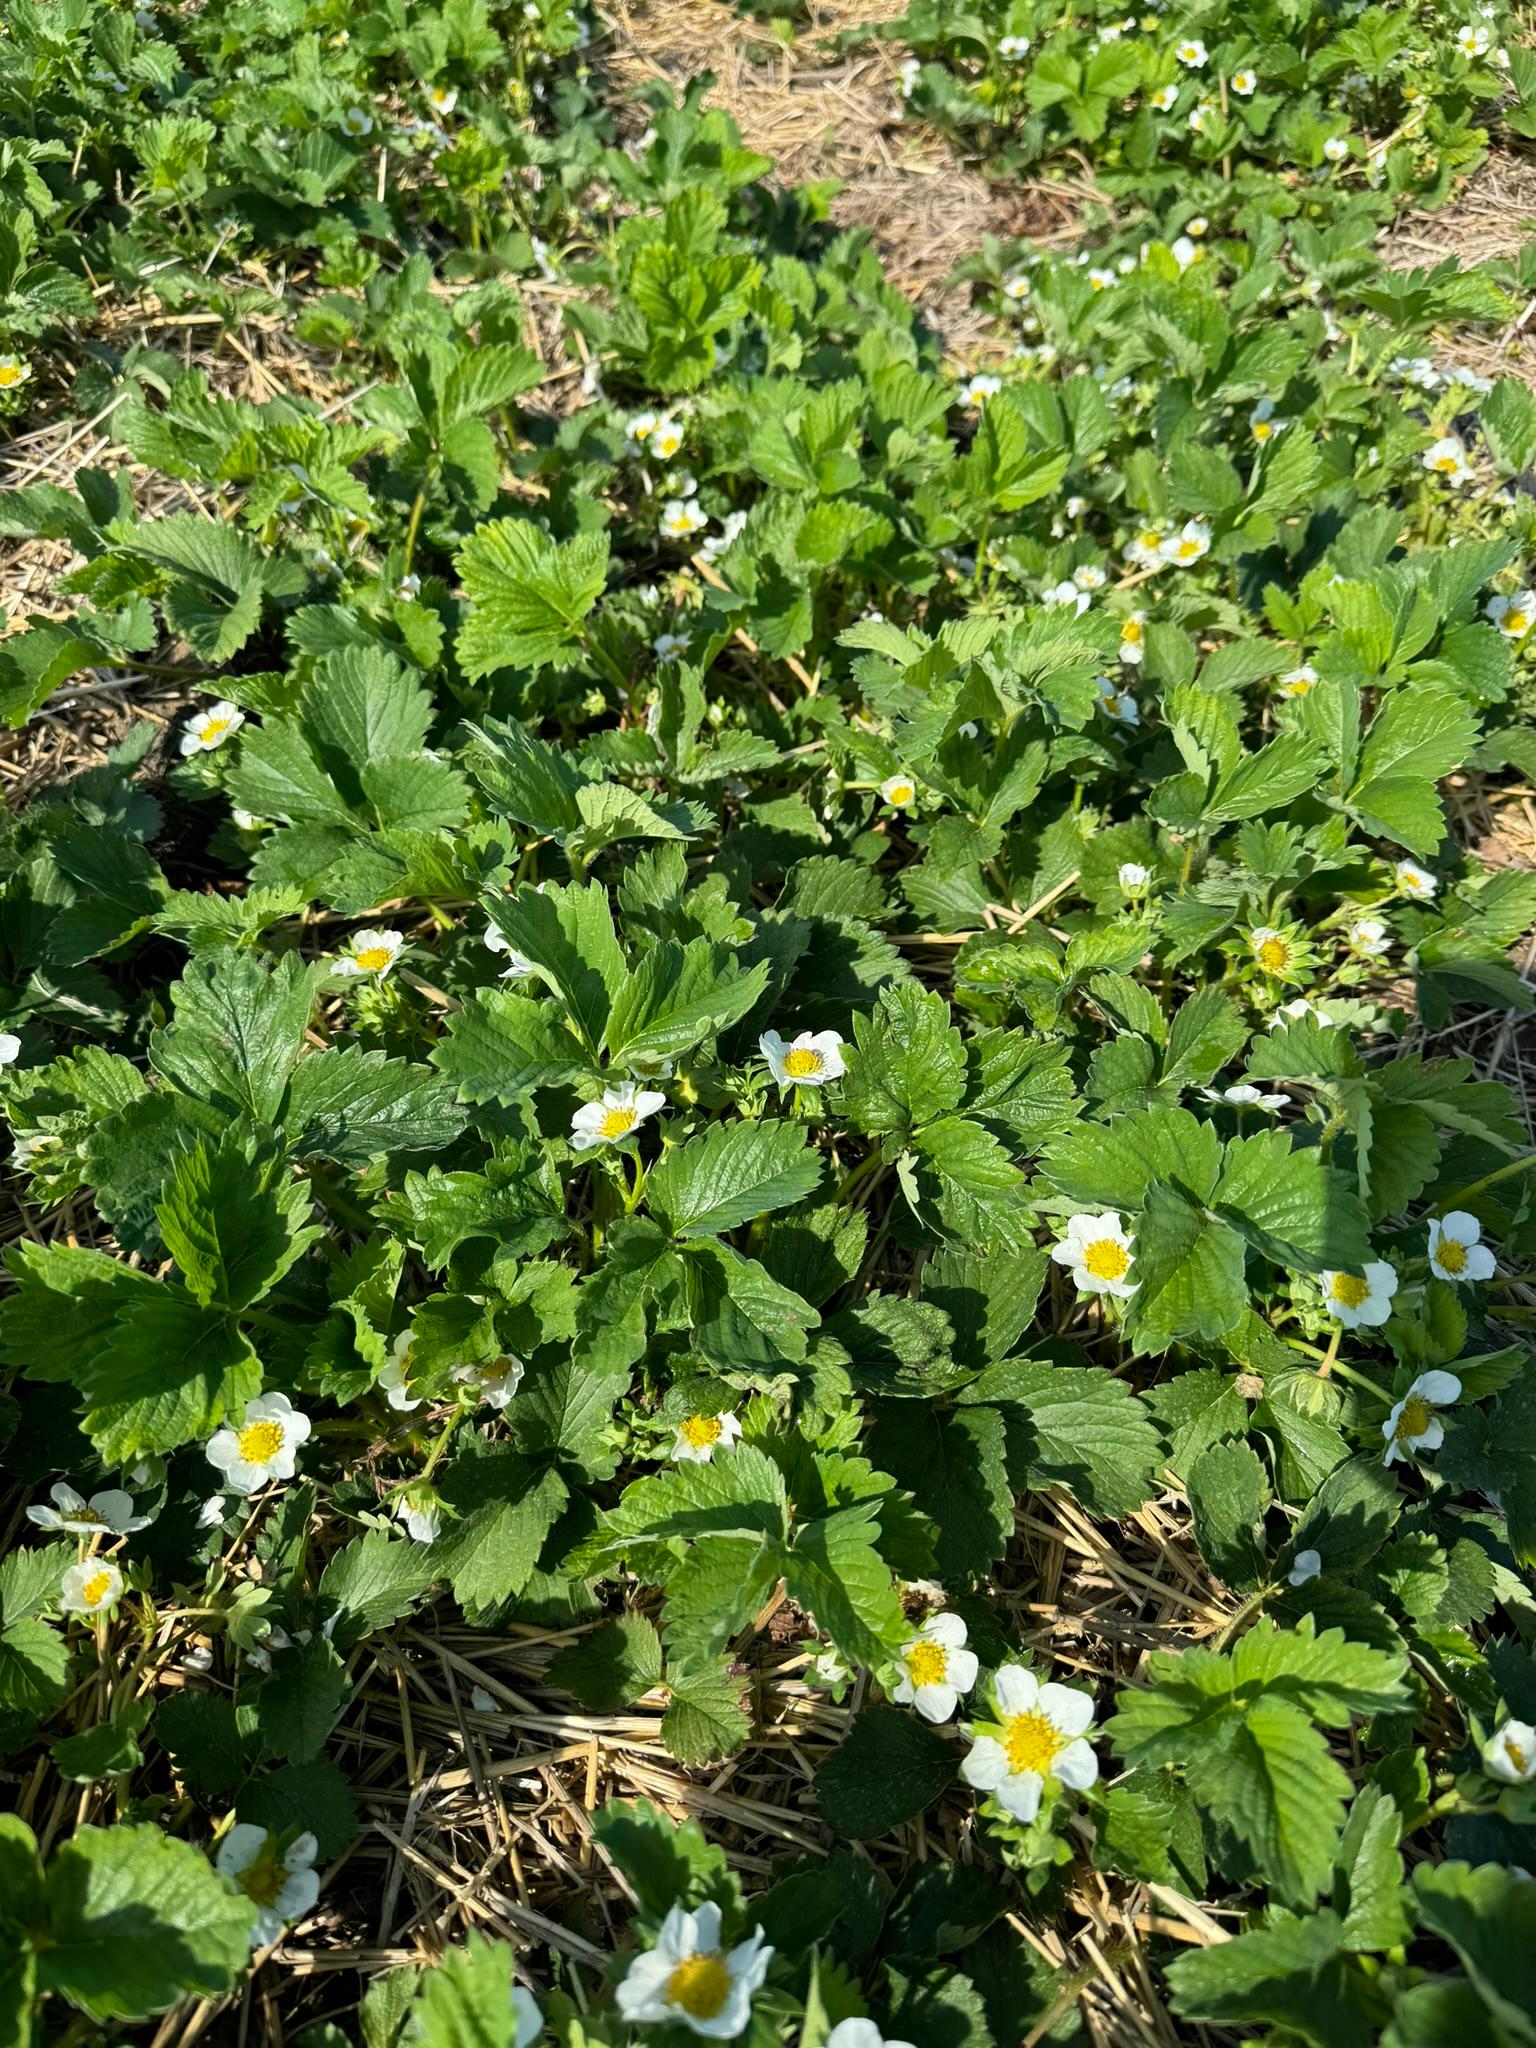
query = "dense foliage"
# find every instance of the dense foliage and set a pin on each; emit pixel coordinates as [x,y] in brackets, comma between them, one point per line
[750,956]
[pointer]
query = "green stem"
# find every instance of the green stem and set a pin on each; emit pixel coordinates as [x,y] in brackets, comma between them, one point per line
[857,1175]
[1358,1379]
[442,1443]
[413,525]
[1488,1180]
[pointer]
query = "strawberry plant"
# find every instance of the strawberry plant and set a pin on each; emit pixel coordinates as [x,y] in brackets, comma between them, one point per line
[728,987]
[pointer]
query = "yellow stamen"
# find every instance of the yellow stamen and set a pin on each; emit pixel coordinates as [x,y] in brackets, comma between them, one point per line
[373,959]
[1274,956]
[1131,634]
[1451,1254]
[1107,1259]
[803,1064]
[1516,623]
[1517,1756]
[1030,1743]
[927,1664]
[10,373]
[618,1123]
[700,1430]
[260,1442]
[901,794]
[96,1588]
[1415,1419]
[700,1985]
[1348,1289]
[262,1880]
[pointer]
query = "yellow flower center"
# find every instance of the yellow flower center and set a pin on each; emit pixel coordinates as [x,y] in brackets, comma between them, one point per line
[804,1063]
[1131,634]
[1447,464]
[88,1515]
[1107,1259]
[1262,430]
[1030,1742]
[1112,704]
[1517,1756]
[262,1880]
[1415,1418]
[214,728]
[1299,687]
[900,793]
[700,1985]
[260,1442]
[1452,1254]
[700,1430]
[373,959]
[96,1588]
[1149,537]
[1189,550]
[10,373]
[1517,623]
[618,1123]
[927,1663]
[1348,1289]
[1274,956]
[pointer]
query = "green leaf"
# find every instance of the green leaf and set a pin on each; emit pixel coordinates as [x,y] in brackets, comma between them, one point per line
[373,1581]
[1281,1794]
[104,1751]
[568,935]
[612,1667]
[466,2002]
[1075,1426]
[1244,1729]
[742,1318]
[1290,1205]
[232,1224]
[138,1920]
[209,1744]
[500,1046]
[704,1720]
[904,1349]
[731,1174]
[1188,1272]
[239,1027]
[34,1677]
[1291,1974]
[1419,735]
[675,997]
[504,1508]
[1368,1885]
[298,1705]
[1228,1496]
[314,1797]
[836,1572]
[1111,1166]
[168,1375]
[886,1770]
[666,1864]
[908,1066]
[1490,1921]
[355,1106]
[955,1466]
[529,594]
